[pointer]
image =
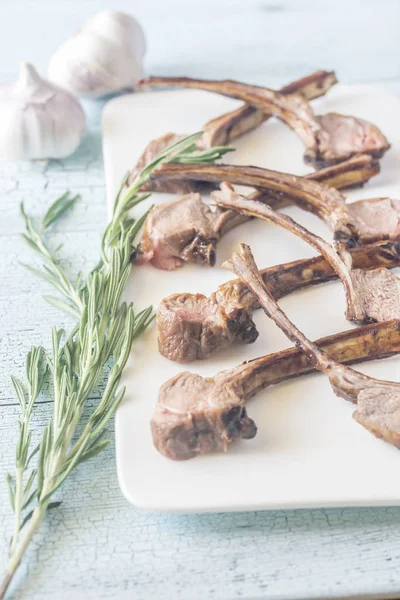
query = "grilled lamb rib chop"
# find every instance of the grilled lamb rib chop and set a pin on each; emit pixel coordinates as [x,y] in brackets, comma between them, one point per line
[370,295]
[193,326]
[361,222]
[225,128]
[378,402]
[328,139]
[187,230]
[228,127]
[195,415]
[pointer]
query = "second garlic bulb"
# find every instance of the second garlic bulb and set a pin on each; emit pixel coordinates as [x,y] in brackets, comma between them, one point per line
[38,120]
[103,57]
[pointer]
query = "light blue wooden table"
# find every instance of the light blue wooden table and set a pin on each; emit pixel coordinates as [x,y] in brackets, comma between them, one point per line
[96,545]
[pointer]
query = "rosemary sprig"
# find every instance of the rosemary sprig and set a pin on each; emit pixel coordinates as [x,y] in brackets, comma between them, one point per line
[100,340]
[52,271]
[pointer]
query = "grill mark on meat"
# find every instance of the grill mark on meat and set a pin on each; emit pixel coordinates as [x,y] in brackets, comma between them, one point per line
[328,139]
[364,302]
[351,223]
[378,402]
[191,416]
[193,326]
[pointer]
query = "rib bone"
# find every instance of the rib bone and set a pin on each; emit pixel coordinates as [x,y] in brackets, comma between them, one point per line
[224,129]
[364,221]
[193,326]
[378,402]
[228,127]
[195,415]
[328,139]
[370,295]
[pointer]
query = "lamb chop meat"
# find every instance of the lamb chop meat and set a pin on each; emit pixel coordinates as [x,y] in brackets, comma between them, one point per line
[361,222]
[328,139]
[376,218]
[187,230]
[222,130]
[196,415]
[193,326]
[370,296]
[378,402]
[348,136]
[184,230]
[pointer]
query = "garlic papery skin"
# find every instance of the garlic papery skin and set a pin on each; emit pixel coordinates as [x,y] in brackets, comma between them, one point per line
[38,120]
[105,56]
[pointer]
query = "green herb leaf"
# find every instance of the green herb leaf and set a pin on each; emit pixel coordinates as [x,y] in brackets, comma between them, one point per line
[19,390]
[11,489]
[58,209]
[62,305]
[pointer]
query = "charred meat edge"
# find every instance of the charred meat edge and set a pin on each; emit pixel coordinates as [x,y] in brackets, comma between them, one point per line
[316,133]
[370,295]
[210,226]
[181,431]
[225,128]
[184,324]
[378,402]
[306,192]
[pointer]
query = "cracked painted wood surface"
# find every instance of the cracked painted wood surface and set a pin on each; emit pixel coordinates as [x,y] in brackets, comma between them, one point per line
[95,545]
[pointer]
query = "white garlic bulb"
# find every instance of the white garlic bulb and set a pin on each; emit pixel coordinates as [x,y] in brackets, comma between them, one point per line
[38,120]
[103,57]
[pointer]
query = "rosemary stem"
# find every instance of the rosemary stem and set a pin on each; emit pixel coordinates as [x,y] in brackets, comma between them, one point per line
[17,554]
[18,506]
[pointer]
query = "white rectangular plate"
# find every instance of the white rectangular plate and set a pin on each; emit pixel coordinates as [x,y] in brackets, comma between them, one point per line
[308,452]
